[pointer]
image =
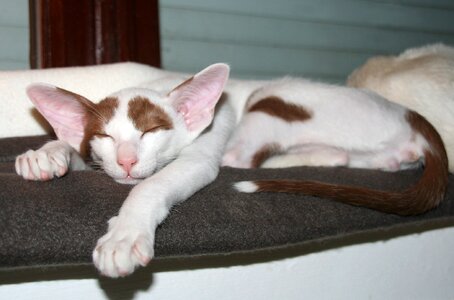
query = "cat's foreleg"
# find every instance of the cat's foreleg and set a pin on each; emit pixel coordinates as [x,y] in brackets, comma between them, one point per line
[129,241]
[54,159]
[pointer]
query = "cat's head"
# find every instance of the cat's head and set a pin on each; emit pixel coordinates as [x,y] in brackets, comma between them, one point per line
[133,132]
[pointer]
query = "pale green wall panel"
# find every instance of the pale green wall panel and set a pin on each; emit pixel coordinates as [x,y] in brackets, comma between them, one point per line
[13,65]
[422,3]
[14,13]
[13,46]
[261,60]
[322,39]
[14,34]
[364,13]
[266,38]
[285,33]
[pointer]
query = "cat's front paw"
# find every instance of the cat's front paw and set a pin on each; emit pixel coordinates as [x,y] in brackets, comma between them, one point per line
[122,249]
[43,164]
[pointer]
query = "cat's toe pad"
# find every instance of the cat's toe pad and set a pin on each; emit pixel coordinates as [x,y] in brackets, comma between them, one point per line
[120,251]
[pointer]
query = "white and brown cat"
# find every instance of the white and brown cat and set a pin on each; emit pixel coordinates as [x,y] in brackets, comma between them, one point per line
[171,138]
[421,79]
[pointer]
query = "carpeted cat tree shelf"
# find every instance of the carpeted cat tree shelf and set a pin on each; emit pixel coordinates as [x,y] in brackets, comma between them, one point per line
[58,222]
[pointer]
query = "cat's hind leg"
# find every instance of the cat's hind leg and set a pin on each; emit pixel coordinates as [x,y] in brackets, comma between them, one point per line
[389,160]
[260,137]
[253,142]
[309,155]
[249,155]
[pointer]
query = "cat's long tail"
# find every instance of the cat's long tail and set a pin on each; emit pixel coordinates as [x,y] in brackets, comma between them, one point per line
[426,194]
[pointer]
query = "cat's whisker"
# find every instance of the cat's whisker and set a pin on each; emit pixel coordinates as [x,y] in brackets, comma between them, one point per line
[97,165]
[98,114]
[165,161]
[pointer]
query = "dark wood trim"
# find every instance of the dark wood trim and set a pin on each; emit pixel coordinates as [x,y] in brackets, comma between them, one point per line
[87,32]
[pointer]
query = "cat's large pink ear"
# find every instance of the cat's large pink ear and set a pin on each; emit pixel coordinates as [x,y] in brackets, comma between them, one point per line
[196,98]
[65,111]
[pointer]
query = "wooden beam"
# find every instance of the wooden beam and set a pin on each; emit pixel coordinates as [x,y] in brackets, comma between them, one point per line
[87,32]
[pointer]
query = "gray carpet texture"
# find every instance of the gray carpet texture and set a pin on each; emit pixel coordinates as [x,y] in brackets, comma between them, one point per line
[59,221]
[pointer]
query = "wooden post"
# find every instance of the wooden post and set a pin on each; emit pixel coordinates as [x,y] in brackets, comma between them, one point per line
[88,32]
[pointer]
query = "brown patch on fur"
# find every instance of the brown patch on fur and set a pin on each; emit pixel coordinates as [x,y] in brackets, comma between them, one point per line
[264,153]
[106,108]
[426,194]
[98,115]
[147,116]
[276,107]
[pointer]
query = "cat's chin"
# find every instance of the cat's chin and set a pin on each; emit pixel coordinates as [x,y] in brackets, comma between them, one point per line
[128,180]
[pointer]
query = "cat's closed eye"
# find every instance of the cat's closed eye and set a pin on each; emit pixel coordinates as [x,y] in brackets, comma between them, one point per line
[102,135]
[156,128]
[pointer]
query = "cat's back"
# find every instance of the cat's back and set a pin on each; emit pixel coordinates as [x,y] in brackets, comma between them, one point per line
[323,97]
[336,113]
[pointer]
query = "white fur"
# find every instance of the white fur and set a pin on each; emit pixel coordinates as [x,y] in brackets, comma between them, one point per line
[310,155]
[421,79]
[50,161]
[245,186]
[348,127]
[345,129]
[162,154]
[152,154]
[130,238]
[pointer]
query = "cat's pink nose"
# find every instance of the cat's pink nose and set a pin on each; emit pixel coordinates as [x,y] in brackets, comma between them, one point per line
[127,162]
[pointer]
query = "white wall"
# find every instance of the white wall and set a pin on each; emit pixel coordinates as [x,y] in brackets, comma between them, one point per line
[419,266]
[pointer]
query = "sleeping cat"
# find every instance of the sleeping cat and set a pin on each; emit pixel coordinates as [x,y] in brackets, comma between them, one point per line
[171,137]
[421,79]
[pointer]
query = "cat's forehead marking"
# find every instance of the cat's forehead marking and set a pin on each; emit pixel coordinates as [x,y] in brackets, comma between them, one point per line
[147,116]
[97,119]
[107,108]
[103,113]
[277,107]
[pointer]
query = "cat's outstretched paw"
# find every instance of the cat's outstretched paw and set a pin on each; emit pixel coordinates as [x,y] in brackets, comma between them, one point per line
[43,164]
[122,249]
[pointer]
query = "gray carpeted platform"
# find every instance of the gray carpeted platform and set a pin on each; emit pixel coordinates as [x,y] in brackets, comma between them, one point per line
[59,222]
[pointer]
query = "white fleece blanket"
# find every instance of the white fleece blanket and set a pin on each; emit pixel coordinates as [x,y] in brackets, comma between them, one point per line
[17,117]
